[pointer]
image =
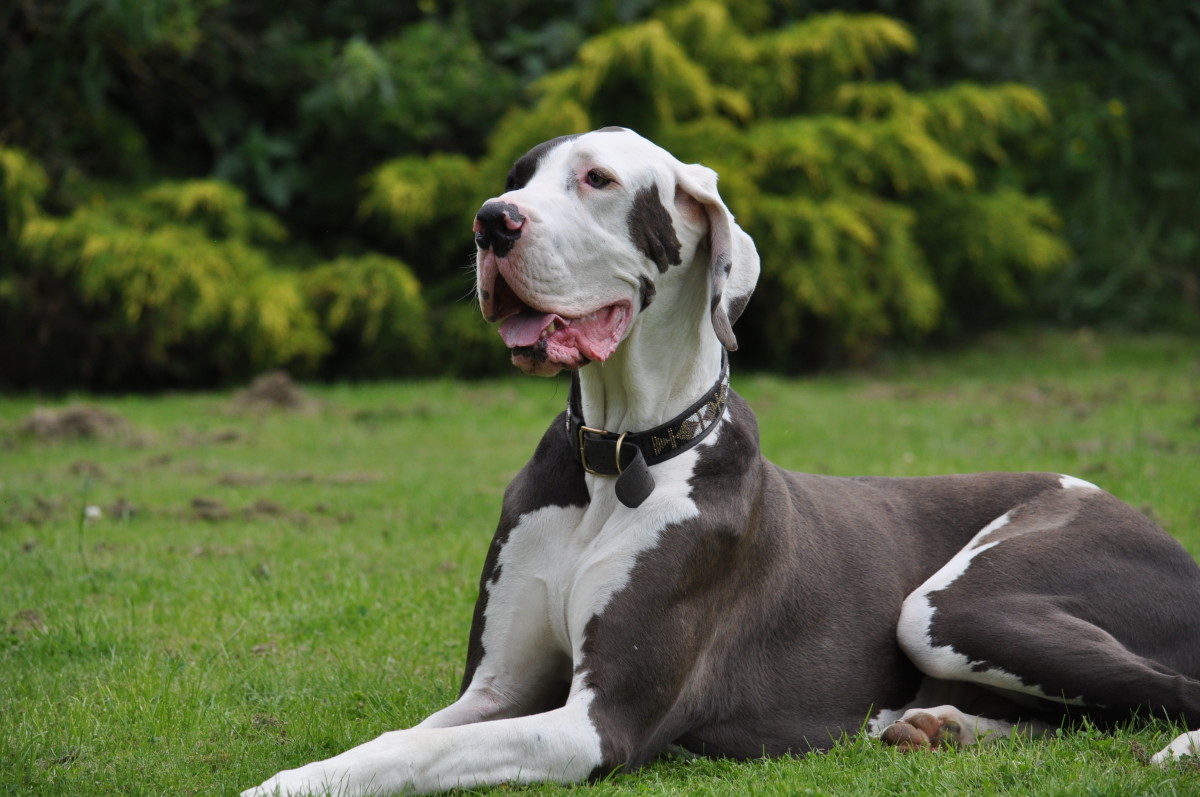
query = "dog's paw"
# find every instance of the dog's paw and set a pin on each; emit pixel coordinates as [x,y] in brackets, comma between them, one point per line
[931,729]
[269,788]
[300,782]
[1185,745]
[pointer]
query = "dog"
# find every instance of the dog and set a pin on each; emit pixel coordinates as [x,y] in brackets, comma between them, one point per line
[655,582]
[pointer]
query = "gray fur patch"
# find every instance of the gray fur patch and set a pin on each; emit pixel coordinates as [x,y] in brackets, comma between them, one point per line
[648,292]
[526,166]
[651,230]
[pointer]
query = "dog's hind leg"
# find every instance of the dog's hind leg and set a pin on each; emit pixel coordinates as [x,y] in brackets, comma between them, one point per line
[1072,599]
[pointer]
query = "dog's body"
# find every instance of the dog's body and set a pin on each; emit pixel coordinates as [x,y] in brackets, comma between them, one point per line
[689,592]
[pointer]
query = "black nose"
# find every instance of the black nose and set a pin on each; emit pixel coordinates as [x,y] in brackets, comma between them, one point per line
[497,227]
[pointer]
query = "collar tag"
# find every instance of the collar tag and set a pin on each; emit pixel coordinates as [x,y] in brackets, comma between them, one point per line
[635,483]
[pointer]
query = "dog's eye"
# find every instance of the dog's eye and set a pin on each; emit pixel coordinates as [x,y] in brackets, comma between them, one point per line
[597,179]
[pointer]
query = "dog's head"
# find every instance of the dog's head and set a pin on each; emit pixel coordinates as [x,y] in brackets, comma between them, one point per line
[589,231]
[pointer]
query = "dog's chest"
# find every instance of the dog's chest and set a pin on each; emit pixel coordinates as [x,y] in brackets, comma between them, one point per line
[560,566]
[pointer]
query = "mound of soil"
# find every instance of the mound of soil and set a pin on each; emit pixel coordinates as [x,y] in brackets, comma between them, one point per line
[74,422]
[273,390]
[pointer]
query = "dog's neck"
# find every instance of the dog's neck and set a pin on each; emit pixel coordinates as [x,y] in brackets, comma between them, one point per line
[660,369]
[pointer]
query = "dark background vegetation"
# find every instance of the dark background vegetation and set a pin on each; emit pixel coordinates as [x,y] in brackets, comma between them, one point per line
[192,191]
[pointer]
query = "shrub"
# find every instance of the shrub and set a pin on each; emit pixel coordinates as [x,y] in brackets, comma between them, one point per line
[370,307]
[422,208]
[160,287]
[23,183]
[184,283]
[876,209]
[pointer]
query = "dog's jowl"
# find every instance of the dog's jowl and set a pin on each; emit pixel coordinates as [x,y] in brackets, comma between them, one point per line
[655,581]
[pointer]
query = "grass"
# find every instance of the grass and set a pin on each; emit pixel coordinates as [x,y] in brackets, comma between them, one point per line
[264,588]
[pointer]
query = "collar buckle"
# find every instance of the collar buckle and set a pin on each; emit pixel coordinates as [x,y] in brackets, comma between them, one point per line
[583,446]
[649,447]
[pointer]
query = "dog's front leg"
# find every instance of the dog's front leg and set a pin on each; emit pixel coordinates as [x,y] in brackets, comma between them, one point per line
[560,745]
[481,704]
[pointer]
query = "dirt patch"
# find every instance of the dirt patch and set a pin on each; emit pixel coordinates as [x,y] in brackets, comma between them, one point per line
[37,511]
[242,479]
[87,469]
[226,436]
[257,479]
[74,422]
[351,477]
[265,648]
[266,721]
[264,508]
[270,725]
[209,509]
[378,416]
[327,511]
[188,437]
[275,390]
[60,760]
[27,621]
[121,509]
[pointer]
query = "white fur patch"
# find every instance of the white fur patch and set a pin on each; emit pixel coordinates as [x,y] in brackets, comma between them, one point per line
[559,745]
[1070,482]
[916,616]
[914,631]
[1185,744]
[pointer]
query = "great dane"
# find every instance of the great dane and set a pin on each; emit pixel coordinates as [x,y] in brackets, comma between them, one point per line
[654,581]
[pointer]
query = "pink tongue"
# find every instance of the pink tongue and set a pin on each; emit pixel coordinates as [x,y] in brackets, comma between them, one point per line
[525,329]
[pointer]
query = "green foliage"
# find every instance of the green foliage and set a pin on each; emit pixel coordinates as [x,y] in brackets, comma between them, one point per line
[986,241]
[185,283]
[1125,161]
[801,65]
[409,91]
[843,182]
[519,130]
[639,76]
[219,208]
[1122,160]
[422,208]
[23,183]
[463,346]
[180,284]
[117,293]
[891,199]
[371,308]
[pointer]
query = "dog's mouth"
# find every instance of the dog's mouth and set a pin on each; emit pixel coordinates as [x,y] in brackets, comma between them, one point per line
[545,342]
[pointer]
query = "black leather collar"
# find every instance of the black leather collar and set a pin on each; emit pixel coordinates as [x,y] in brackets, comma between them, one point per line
[628,455]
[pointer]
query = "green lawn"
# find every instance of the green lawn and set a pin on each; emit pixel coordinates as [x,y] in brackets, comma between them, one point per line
[264,587]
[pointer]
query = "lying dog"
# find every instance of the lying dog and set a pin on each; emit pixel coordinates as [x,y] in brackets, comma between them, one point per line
[655,581]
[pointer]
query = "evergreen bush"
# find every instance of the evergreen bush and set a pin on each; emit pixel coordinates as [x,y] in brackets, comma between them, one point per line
[158,287]
[889,204]
[877,210]
[371,309]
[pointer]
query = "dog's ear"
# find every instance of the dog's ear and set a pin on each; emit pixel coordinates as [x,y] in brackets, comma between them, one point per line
[733,260]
